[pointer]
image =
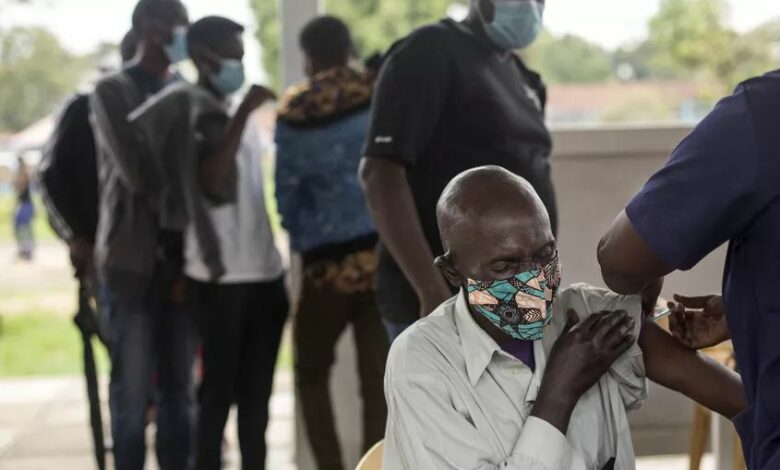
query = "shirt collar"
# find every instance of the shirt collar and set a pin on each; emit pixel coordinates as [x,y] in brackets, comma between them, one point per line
[478,346]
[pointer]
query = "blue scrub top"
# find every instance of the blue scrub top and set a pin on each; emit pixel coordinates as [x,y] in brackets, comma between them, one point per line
[722,184]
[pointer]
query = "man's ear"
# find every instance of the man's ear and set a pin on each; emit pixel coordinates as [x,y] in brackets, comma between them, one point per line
[449,272]
[203,61]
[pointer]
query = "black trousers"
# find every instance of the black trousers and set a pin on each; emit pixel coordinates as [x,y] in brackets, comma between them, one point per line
[241,328]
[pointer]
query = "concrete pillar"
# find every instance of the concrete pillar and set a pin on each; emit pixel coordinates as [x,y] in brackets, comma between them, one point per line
[294,15]
[344,384]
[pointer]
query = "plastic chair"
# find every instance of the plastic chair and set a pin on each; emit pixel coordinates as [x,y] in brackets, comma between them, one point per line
[373,458]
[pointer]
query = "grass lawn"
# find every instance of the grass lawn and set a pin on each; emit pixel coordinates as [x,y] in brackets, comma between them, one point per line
[36,343]
[43,344]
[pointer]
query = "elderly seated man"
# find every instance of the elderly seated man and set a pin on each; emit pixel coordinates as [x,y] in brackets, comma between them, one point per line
[513,373]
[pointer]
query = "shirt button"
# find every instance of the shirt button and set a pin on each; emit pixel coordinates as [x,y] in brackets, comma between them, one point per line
[517,373]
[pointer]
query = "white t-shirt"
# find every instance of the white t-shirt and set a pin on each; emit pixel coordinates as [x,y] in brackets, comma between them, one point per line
[244,231]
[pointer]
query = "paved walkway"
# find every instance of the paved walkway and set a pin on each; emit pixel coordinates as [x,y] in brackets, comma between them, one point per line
[44,421]
[43,426]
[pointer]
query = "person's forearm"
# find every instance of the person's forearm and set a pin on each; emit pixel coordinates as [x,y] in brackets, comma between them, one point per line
[392,205]
[691,373]
[215,169]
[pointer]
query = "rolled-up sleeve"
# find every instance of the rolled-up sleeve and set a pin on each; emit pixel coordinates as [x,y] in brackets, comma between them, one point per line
[425,430]
[628,371]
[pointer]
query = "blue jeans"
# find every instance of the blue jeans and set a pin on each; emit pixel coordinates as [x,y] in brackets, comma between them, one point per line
[394,329]
[152,343]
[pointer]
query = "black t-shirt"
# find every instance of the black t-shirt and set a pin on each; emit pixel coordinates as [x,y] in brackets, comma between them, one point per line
[447,100]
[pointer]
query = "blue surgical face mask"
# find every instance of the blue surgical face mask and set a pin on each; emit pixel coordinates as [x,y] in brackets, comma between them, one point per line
[230,77]
[177,50]
[516,23]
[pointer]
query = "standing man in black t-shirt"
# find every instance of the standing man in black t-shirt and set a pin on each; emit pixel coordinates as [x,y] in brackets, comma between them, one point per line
[451,96]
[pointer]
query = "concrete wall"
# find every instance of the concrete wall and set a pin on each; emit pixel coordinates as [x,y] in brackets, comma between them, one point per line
[596,172]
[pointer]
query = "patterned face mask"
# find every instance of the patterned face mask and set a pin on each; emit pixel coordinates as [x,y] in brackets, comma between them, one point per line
[521,306]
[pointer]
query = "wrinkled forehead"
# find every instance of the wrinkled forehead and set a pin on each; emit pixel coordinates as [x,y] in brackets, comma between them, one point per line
[513,229]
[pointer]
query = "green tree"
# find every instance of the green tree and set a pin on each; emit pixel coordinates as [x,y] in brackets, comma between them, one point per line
[689,37]
[375,24]
[569,59]
[751,54]
[36,73]
[268,34]
[636,58]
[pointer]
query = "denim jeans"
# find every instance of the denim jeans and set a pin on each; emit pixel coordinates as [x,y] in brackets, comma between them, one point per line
[152,343]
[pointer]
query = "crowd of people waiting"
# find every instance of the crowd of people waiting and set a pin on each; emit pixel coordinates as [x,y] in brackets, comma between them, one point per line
[418,194]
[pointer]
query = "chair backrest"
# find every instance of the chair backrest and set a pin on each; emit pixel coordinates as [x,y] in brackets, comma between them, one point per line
[373,458]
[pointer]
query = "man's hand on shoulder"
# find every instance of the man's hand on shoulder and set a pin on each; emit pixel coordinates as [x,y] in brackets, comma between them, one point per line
[582,354]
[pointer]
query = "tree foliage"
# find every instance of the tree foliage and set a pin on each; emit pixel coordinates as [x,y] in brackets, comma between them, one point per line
[569,59]
[36,73]
[691,39]
[687,36]
[268,34]
[375,24]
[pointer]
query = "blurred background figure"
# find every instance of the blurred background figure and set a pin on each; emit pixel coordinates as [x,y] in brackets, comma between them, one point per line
[148,328]
[24,212]
[451,96]
[213,190]
[322,125]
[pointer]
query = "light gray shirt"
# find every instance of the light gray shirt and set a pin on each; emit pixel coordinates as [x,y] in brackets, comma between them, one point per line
[457,401]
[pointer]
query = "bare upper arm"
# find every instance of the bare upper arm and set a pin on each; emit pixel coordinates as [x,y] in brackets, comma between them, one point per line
[627,261]
[374,169]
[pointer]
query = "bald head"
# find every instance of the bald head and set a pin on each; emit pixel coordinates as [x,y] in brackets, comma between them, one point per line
[491,221]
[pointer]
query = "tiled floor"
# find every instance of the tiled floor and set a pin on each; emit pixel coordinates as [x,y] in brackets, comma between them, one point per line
[43,426]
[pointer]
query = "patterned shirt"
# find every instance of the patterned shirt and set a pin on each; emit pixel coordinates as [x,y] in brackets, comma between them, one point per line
[456,400]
